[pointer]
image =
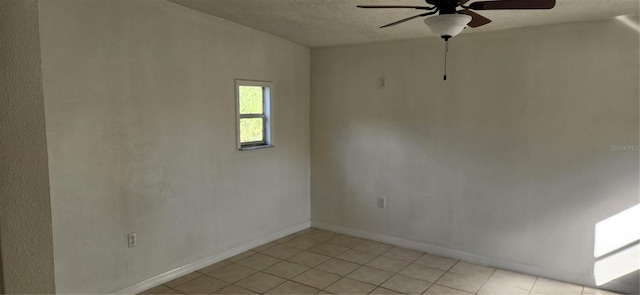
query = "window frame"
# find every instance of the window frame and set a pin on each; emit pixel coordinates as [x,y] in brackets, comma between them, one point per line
[266,115]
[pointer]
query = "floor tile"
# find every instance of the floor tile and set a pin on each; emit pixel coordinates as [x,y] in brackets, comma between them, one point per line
[437,289]
[381,290]
[461,282]
[359,266]
[264,247]
[546,286]
[155,290]
[349,286]
[373,247]
[232,273]
[337,266]
[182,279]
[286,269]
[421,272]
[260,282]
[328,249]
[170,292]
[231,289]
[356,256]
[201,285]
[214,266]
[316,278]
[282,251]
[403,254]
[293,288]
[346,241]
[370,275]
[286,238]
[309,259]
[472,270]
[406,284]
[386,263]
[301,243]
[512,279]
[436,262]
[490,288]
[241,256]
[319,235]
[304,231]
[592,291]
[258,261]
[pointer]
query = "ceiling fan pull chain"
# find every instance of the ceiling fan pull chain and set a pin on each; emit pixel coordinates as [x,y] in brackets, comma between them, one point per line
[446,50]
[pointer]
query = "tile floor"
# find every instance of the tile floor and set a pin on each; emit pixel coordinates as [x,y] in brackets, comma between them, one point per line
[315,261]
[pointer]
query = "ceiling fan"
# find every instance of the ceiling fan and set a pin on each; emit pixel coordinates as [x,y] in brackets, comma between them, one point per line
[451,7]
[453,15]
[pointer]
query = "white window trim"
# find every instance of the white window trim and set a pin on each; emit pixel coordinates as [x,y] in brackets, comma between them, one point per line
[268,112]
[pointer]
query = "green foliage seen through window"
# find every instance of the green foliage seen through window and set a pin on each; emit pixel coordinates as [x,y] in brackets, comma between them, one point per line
[251,100]
[251,103]
[251,130]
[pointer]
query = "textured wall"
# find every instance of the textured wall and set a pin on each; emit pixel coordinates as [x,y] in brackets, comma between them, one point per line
[25,209]
[139,98]
[510,158]
[1,266]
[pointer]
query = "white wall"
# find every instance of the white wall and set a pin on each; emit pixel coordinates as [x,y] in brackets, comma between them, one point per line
[509,160]
[26,250]
[139,100]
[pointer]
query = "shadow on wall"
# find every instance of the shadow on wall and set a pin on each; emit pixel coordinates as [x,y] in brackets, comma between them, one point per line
[617,246]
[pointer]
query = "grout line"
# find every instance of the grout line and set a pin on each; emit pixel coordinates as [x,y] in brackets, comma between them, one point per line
[485,282]
[175,290]
[265,292]
[534,284]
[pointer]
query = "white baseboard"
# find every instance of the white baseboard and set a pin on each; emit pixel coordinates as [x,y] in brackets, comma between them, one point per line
[191,267]
[473,258]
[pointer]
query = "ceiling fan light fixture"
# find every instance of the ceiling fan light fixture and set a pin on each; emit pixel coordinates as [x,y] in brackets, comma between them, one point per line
[447,25]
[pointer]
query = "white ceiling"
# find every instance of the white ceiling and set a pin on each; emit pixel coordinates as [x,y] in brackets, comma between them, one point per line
[317,23]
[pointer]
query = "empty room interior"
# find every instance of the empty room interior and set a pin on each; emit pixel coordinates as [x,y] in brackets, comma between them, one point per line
[318,147]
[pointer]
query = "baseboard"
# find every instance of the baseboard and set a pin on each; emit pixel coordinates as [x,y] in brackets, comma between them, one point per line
[191,267]
[473,258]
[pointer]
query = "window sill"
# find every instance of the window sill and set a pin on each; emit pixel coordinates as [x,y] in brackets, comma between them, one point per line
[257,147]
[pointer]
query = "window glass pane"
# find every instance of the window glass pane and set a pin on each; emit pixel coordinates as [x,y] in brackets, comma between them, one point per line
[251,100]
[251,130]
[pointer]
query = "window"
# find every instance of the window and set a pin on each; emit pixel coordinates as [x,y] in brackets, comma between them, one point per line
[253,101]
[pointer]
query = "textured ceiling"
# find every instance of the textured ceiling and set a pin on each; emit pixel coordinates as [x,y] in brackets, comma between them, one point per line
[317,23]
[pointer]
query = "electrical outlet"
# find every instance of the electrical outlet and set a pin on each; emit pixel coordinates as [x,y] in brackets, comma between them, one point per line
[132,240]
[382,202]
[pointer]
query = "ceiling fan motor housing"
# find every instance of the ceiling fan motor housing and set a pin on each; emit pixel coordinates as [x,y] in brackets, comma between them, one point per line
[447,25]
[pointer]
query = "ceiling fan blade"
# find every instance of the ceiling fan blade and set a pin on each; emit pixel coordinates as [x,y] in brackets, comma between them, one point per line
[461,2]
[395,6]
[408,19]
[513,4]
[476,19]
